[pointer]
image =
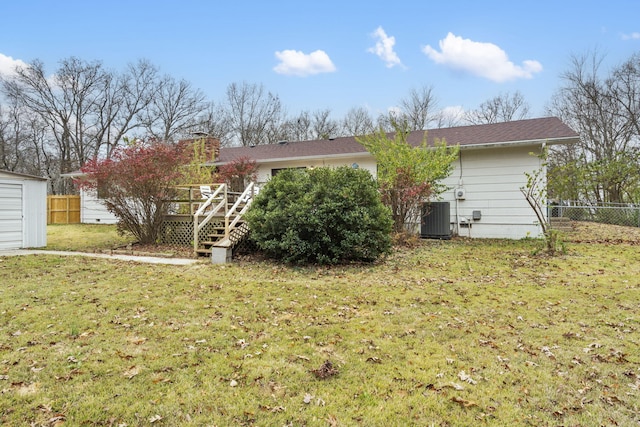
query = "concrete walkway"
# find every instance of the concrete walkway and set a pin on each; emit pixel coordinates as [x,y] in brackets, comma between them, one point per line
[135,258]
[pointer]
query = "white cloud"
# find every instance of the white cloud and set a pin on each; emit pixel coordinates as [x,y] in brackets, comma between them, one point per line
[632,36]
[384,48]
[296,63]
[7,64]
[482,59]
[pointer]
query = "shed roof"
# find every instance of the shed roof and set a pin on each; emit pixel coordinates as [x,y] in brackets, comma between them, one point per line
[548,130]
[17,175]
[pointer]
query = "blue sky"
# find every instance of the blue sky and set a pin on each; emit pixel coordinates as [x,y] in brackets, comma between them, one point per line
[332,54]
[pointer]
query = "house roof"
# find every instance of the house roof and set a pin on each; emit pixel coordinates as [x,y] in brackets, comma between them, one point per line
[549,130]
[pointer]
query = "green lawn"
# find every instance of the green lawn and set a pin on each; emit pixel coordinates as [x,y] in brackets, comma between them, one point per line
[451,333]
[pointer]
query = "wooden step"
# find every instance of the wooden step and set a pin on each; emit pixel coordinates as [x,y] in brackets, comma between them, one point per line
[204,252]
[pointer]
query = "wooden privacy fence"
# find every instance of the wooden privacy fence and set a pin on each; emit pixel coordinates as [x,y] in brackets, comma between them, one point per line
[63,209]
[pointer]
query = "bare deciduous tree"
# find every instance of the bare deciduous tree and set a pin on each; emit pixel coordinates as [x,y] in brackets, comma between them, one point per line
[214,122]
[174,109]
[449,117]
[13,139]
[65,102]
[418,109]
[625,89]
[324,127]
[310,126]
[600,108]
[357,122]
[86,109]
[505,107]
[298,128]
[416,112]
[255,115]
[129,97]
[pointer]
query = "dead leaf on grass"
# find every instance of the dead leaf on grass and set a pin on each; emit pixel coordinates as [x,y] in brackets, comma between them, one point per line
[326,370]
[23,389]
[123,355]
[611,400]
[160,379]
[136,340]
[131,372]
[45,408]
[155,419]
[455,386]
[463,402]
[274,409]
[57,420]
[467,378]
[547,352]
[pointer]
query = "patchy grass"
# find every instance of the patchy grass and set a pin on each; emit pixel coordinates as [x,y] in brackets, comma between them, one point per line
[103,238]
[449,333]
[85,237]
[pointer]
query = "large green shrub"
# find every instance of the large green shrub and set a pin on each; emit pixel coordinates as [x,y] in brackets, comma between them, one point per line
[324,216]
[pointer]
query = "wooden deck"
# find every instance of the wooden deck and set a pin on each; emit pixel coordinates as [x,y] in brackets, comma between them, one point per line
[208,222]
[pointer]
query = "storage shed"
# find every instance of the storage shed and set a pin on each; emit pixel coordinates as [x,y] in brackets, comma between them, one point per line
[23,211]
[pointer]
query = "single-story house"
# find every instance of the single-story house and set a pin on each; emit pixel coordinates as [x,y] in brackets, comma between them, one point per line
[23,211]
[484,197]
[484,189]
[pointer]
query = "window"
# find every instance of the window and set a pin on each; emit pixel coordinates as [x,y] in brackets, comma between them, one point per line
[275,172]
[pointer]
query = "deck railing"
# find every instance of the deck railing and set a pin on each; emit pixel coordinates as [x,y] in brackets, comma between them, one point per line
[233,216]
[222,203]
[220,198]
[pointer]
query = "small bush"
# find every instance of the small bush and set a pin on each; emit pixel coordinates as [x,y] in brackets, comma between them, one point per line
[406,239]
[324,216]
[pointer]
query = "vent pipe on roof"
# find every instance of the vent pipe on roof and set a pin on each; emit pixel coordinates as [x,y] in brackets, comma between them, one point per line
[282,142]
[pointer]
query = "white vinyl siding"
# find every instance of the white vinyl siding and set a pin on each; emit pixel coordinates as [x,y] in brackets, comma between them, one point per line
[491,179]
[93,211]
[10,216]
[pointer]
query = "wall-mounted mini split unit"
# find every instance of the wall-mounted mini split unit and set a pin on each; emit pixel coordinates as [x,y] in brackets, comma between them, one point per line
[460,193]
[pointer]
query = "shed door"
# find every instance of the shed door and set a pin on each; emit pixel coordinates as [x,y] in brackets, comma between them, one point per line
[10,216]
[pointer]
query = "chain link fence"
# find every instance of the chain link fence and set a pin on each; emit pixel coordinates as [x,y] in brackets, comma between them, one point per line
[605,213]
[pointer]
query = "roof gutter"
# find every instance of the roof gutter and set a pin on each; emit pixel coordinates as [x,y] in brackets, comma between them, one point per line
[365,154]
[524,143]
[313,157]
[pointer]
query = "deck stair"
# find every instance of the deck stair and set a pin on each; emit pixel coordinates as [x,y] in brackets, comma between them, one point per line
[225,210]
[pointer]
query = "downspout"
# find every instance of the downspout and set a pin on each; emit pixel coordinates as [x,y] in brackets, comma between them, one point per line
[460,184]
[546,193]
